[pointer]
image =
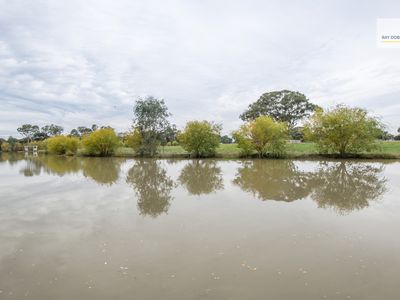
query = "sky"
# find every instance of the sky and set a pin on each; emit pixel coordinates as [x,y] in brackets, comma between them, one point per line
[83,62]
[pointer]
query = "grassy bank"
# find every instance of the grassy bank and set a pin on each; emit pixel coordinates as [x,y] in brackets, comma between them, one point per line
[388,150]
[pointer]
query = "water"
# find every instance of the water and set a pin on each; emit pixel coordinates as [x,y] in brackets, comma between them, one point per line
[111,228]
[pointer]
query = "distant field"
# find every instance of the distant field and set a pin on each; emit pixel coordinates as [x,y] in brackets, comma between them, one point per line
[300,149]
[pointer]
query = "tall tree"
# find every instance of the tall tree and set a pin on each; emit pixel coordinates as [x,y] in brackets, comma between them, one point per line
[283,106]
[28,130]
[150,120]
[52,130]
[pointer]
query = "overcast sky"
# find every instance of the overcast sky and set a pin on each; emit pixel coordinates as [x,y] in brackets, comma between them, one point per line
[80,62]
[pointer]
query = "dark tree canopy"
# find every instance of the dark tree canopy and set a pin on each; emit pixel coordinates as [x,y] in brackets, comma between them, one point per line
[284,106]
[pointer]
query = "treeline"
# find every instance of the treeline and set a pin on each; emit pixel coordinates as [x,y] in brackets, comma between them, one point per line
[268,124]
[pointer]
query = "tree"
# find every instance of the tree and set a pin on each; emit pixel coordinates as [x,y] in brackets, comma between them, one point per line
[134,140]
[74,132]
[61,144]
[151,120]
[226,139]
[28,130]
[343,130]
[5,147]
[84,130]
[52,130]
[169,135]
[101,142]
[284,106]
[264,135]
[200,138]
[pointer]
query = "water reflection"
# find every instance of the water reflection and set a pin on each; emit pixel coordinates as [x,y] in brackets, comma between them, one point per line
[201,177]
[152,185]
[344,186]
[104,171]
[347,186]
[279,180]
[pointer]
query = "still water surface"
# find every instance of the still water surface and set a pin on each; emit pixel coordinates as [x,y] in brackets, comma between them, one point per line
[110,228]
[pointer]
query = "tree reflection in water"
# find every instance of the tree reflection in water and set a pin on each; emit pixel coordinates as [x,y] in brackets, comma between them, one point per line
[201,177]
[277,180]
[104,171]
[347,186]
[152,185]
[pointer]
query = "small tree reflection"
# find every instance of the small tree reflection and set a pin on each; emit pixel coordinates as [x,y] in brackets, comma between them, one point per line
[152,185]
[201,177]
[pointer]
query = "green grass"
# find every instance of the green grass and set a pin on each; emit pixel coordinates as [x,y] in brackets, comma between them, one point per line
[384,150]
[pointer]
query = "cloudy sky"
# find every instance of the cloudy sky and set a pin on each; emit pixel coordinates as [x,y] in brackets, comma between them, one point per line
[80,62]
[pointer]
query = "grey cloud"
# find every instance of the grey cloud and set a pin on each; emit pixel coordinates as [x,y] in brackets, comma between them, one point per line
[83,62]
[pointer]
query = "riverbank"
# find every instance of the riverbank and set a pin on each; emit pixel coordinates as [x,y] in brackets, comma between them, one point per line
[385,150]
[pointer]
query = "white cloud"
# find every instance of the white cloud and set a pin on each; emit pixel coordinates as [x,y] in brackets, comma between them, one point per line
[82,62]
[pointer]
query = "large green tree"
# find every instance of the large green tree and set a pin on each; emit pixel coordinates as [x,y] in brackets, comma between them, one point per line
[284,106]
[151,121]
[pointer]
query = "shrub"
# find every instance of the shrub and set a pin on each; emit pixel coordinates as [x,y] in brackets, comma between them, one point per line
[5,147]
[263,135]
[200,138]
[134,140]
[102,142]
[18,147]
[62,145]
[343,130]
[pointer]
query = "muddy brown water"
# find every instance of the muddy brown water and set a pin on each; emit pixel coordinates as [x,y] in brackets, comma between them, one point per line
[112,228]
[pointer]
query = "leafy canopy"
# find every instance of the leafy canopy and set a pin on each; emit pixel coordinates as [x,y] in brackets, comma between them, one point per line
[61,144]
[200,138]
[151,121]
[101,142]
[343,130]
[284,106]
[263,135]
[28,131]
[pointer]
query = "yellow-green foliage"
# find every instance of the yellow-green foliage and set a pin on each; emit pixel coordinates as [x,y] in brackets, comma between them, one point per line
[343,130]
[102,142]
[5,147]
[263,135]
[134,140]
[201,138]
[62,144]
[42,145]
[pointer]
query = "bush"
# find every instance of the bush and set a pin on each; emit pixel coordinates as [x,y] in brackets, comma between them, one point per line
[42,145]
[134,140]
[102,142]
[343,130]
[18,146]
[263,135]
[5,147]
[200,138]
[62,145]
